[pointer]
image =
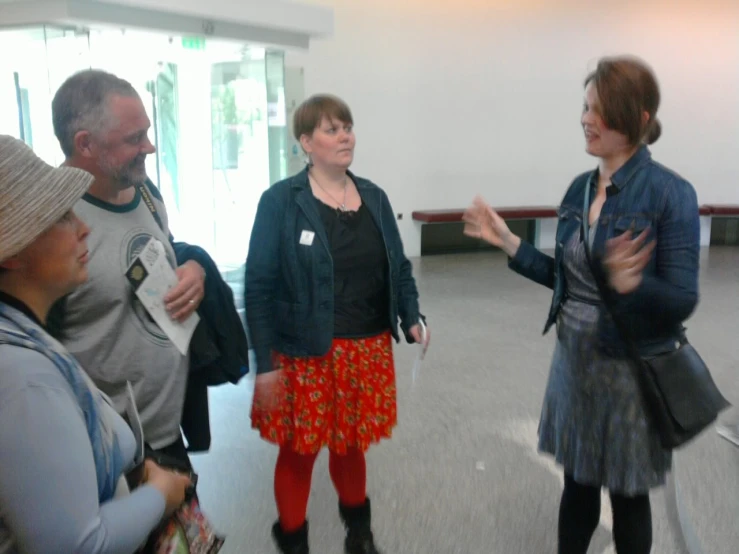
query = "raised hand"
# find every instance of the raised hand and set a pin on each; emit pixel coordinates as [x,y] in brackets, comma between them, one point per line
[625,260]
[482,222]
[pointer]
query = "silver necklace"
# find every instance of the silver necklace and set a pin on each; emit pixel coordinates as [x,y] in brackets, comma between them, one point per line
[342,205]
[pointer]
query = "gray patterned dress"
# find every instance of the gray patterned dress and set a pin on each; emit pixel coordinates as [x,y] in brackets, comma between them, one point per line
[593,420]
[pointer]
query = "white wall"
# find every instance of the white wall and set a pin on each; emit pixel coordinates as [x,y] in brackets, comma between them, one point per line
[452,98]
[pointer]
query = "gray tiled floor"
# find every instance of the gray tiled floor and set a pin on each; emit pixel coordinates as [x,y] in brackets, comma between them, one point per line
[461,475]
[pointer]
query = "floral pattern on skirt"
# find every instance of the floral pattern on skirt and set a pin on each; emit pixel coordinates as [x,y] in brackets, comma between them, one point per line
[345,399]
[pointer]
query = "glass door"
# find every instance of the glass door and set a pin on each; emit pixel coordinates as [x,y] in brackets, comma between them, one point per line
[240,146]
[217,110]
[43,57]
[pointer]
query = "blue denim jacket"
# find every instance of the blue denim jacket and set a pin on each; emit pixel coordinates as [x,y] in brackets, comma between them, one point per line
[289,286]
[643,194]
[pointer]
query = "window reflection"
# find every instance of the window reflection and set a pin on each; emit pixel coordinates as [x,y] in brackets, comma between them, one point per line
[217,110]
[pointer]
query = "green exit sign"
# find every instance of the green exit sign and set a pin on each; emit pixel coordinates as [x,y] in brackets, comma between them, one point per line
[193,43]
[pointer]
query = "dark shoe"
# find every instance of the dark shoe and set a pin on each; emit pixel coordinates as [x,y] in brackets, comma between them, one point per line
[358,523]
[291,543]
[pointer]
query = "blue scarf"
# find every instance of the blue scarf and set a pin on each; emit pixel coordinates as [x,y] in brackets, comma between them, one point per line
[19,330]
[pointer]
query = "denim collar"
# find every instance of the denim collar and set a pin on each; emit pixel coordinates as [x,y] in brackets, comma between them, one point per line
[623,176]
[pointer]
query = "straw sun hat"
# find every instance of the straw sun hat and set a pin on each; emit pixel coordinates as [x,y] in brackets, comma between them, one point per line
[33,195]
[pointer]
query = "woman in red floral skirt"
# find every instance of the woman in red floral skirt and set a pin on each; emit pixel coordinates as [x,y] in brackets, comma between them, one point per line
[327,282]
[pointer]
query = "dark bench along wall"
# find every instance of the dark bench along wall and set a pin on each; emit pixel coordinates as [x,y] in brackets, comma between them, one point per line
[724,224]
[442,230]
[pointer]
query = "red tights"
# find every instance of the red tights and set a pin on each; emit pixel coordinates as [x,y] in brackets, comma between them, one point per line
[293,478]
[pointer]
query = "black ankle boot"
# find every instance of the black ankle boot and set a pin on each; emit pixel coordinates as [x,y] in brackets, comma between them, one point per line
[291,543]
[358,523]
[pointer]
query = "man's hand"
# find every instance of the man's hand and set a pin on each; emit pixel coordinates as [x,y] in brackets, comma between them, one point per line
[186,296]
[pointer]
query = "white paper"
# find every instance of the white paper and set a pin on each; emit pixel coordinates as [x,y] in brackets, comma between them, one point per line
[131,416]
[421,353]
[158,278]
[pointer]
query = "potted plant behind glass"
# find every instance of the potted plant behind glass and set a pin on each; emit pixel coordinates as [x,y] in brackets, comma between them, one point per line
[226,132]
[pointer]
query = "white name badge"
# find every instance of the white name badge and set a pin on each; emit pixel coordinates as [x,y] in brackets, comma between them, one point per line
[306,238]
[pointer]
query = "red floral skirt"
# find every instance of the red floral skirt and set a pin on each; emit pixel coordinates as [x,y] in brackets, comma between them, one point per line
[345,399]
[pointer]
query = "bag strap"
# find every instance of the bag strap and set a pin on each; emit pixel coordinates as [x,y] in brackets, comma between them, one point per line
[146,195]
[605,294]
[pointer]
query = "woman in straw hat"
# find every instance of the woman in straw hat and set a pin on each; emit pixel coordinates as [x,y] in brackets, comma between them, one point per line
[63,449]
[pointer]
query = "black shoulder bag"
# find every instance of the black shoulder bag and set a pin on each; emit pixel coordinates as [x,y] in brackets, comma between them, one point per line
[678,390]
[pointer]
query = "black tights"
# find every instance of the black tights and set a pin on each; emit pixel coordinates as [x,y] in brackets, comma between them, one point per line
[579,514]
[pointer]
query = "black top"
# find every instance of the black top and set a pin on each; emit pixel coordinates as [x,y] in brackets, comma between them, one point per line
[13,302]
[361,302]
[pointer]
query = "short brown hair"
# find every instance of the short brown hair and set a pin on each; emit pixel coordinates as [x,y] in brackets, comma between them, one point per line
[311,112]
[627,88]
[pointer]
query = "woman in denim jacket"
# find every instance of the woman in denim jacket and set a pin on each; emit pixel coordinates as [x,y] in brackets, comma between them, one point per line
[326,282]
[644,239]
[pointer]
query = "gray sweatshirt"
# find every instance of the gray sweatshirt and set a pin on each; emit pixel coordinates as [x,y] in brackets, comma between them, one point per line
[109,331]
